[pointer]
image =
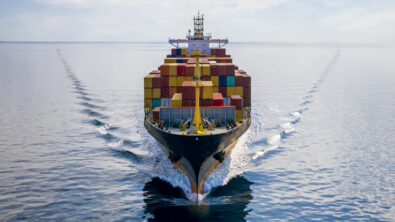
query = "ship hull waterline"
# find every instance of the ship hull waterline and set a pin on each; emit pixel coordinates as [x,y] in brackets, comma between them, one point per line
[197,155]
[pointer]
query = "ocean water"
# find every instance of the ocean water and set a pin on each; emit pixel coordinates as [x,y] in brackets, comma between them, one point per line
[73,146]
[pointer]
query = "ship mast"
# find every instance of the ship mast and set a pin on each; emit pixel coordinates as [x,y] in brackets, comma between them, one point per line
[197,118]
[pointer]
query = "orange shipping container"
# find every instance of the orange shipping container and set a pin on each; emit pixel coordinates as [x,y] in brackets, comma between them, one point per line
[172,91]
[164,69]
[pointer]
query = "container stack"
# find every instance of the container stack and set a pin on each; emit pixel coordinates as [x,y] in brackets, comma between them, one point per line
[173,85]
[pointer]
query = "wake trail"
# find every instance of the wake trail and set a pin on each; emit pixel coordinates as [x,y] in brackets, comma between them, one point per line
[94,111]
[243,158]
[287,127]
[146,155]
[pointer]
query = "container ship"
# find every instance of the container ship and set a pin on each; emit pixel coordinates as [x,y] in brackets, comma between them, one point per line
[197,104]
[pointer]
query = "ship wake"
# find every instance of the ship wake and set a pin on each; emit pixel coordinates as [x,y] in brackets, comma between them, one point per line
[287,126]
[147,156]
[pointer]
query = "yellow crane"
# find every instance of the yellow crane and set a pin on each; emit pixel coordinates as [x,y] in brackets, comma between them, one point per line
[197,119]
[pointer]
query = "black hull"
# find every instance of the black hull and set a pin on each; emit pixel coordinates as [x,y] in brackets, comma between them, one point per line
[197,155]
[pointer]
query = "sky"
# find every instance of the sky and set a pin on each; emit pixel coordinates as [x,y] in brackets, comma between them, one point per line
[317,21]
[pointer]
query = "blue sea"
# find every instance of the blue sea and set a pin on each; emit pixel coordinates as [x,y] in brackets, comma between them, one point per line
[73,146]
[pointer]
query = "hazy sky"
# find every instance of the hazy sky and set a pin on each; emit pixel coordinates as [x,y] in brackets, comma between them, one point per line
[349,21]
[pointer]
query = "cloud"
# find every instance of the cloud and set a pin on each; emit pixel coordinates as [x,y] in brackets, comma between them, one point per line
[240,20]
[371,21]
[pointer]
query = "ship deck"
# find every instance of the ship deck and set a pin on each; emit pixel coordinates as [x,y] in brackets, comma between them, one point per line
[191,132]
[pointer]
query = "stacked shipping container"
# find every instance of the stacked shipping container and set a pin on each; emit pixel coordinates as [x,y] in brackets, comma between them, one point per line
[222,83]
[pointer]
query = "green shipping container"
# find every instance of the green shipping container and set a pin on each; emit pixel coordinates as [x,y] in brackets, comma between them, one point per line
[155,103]
[230,81]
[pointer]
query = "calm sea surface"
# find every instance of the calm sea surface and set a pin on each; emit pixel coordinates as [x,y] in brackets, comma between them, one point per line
[73,146]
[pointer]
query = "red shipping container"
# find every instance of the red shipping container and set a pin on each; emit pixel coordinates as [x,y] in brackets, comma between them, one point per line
[164,69]
[206,102]
[173,51]
[230,69]
[213,69]
[246,80]
[187,90]
[156,81]
[189,69]
[164,92]
[221,69]
[179,89]
[246,91]
[235,100]
[239,80]
[164,81]
[188,102]
[181,69]
[155,113]
[218,51]
[226,69]
[246,101]
[223,90]
[218,99]
[172,91]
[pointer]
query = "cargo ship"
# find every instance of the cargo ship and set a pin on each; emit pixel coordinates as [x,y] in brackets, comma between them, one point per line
[197,104]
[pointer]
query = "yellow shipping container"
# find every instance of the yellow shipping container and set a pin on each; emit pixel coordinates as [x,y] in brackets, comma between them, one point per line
[156,93]
[215,80]
[230,91]
[148,103]
[173,69]
[239,90]
[172,81]
[180,80]
[205,69]
[207,89]
[183,51]
[189,78]
[148,81]
[176,100]
[238,115]
[148,93]
[215,89]
[170,60]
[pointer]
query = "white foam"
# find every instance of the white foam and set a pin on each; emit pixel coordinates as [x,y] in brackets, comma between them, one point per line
[233,165]
[116,144]
[115,148]
[262,152]
[297,114]
[102,130]
[274,139]
[288,127]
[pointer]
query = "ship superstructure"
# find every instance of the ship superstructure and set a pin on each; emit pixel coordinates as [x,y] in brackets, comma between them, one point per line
[197,104]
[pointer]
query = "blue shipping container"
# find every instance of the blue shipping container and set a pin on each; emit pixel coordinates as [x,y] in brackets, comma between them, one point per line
[230,81]
[222,81]
[179,61]
[178,51]
[155,103]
